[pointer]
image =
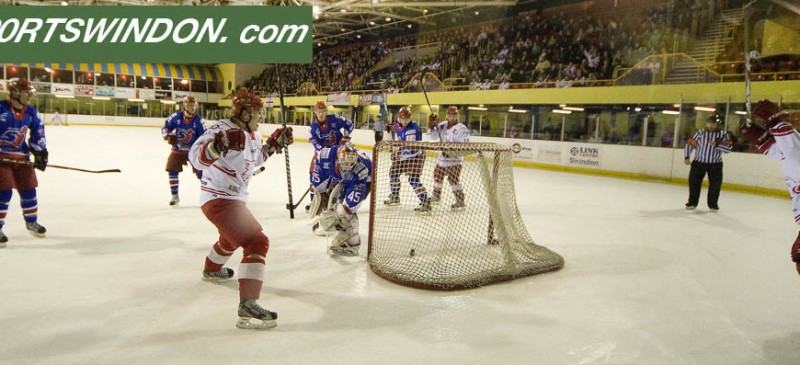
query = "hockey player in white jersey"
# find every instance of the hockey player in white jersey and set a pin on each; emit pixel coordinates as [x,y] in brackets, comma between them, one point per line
[779,141]
[228,153]
[345,175]
[449,131]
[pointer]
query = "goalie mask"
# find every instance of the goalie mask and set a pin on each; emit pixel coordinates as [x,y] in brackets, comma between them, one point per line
[346,157]
[321,111]
[404,116]
[190,105]
[452,115]
[20,90]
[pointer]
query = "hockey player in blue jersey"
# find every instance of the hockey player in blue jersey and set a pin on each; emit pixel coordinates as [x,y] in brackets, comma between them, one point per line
[342,174]
[180,130]
[19,121]
[327,130]
[407,161]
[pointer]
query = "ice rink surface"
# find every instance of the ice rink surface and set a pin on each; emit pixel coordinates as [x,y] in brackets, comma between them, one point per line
[117,279]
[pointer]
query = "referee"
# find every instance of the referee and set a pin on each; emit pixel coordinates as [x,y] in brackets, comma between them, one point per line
[709,144]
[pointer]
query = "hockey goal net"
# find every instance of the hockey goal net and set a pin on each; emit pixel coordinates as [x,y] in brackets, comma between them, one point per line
[451,248]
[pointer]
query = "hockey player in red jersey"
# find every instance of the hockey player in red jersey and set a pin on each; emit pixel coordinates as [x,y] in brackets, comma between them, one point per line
[449,131]
[228,153]
[180,130]
[18,122]
[778,141]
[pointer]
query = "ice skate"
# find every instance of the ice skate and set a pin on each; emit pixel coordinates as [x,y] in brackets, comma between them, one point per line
[345,244]
[424,207]
[690,206]
[249,309]
[220,276]
[175,200]
[35,229]
[394,199]
[458,205]
[3,239]
[435,199]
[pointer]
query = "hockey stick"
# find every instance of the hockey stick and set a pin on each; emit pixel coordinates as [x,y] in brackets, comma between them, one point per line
[290,205]
[26,162]
[422,82]
[747,69]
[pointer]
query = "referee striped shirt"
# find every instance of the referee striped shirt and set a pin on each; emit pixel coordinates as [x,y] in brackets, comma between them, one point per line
[709,146]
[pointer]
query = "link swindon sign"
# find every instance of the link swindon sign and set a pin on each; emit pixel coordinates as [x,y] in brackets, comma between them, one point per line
[159,34]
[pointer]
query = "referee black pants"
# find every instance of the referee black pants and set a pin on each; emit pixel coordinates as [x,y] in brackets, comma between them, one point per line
[696,175]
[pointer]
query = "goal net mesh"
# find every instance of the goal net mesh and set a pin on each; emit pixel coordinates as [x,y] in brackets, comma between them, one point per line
[450,248]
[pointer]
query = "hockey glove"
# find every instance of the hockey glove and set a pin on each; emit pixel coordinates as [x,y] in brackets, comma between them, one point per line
[171,139]
[433,120]
[768,111]
[279,138]
[39,159]
[757,135]
[232,139]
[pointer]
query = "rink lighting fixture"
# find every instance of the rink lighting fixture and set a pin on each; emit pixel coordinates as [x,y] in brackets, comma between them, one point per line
[101,98]
[477,108]
[573,108]
[512,110]
[48,69]
[562,111]
[741,112]
[705,108]
[671,112]
[168,102]
[136,100]
[64,96]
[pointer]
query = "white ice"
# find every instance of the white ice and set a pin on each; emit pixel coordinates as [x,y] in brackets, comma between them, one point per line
[117,279]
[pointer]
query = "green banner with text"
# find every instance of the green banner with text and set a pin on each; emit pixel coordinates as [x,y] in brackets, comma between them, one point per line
[157,34]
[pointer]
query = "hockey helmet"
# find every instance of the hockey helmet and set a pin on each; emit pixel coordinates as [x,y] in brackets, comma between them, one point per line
[190,104]
[715,118]
[321,111]
[404,115]
[245,99]
[346,157]
[452,114]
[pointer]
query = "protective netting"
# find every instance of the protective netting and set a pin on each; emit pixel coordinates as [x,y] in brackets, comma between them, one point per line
[445,249]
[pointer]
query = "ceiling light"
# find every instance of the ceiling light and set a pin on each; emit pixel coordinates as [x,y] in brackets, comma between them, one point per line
[705,108]
[573,108]
[315,9]
[358,36]
[64,3]
[168,102]
[512,110]
[671,112]
[477,13]
[101,98]
[424,11]
[64,96]
[48,69]
[637,109]
[388,19]
[562,111]
[371,23]
[741,112]
[409,26]
[477,108]
[136,100]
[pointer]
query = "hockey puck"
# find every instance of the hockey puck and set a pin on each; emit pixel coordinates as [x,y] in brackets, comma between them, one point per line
[412,252]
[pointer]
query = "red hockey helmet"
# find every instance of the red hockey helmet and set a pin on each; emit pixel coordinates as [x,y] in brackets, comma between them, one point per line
[321,111]
[452,114]
[245,99]
[15,88]
[404,115]
[190,103]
